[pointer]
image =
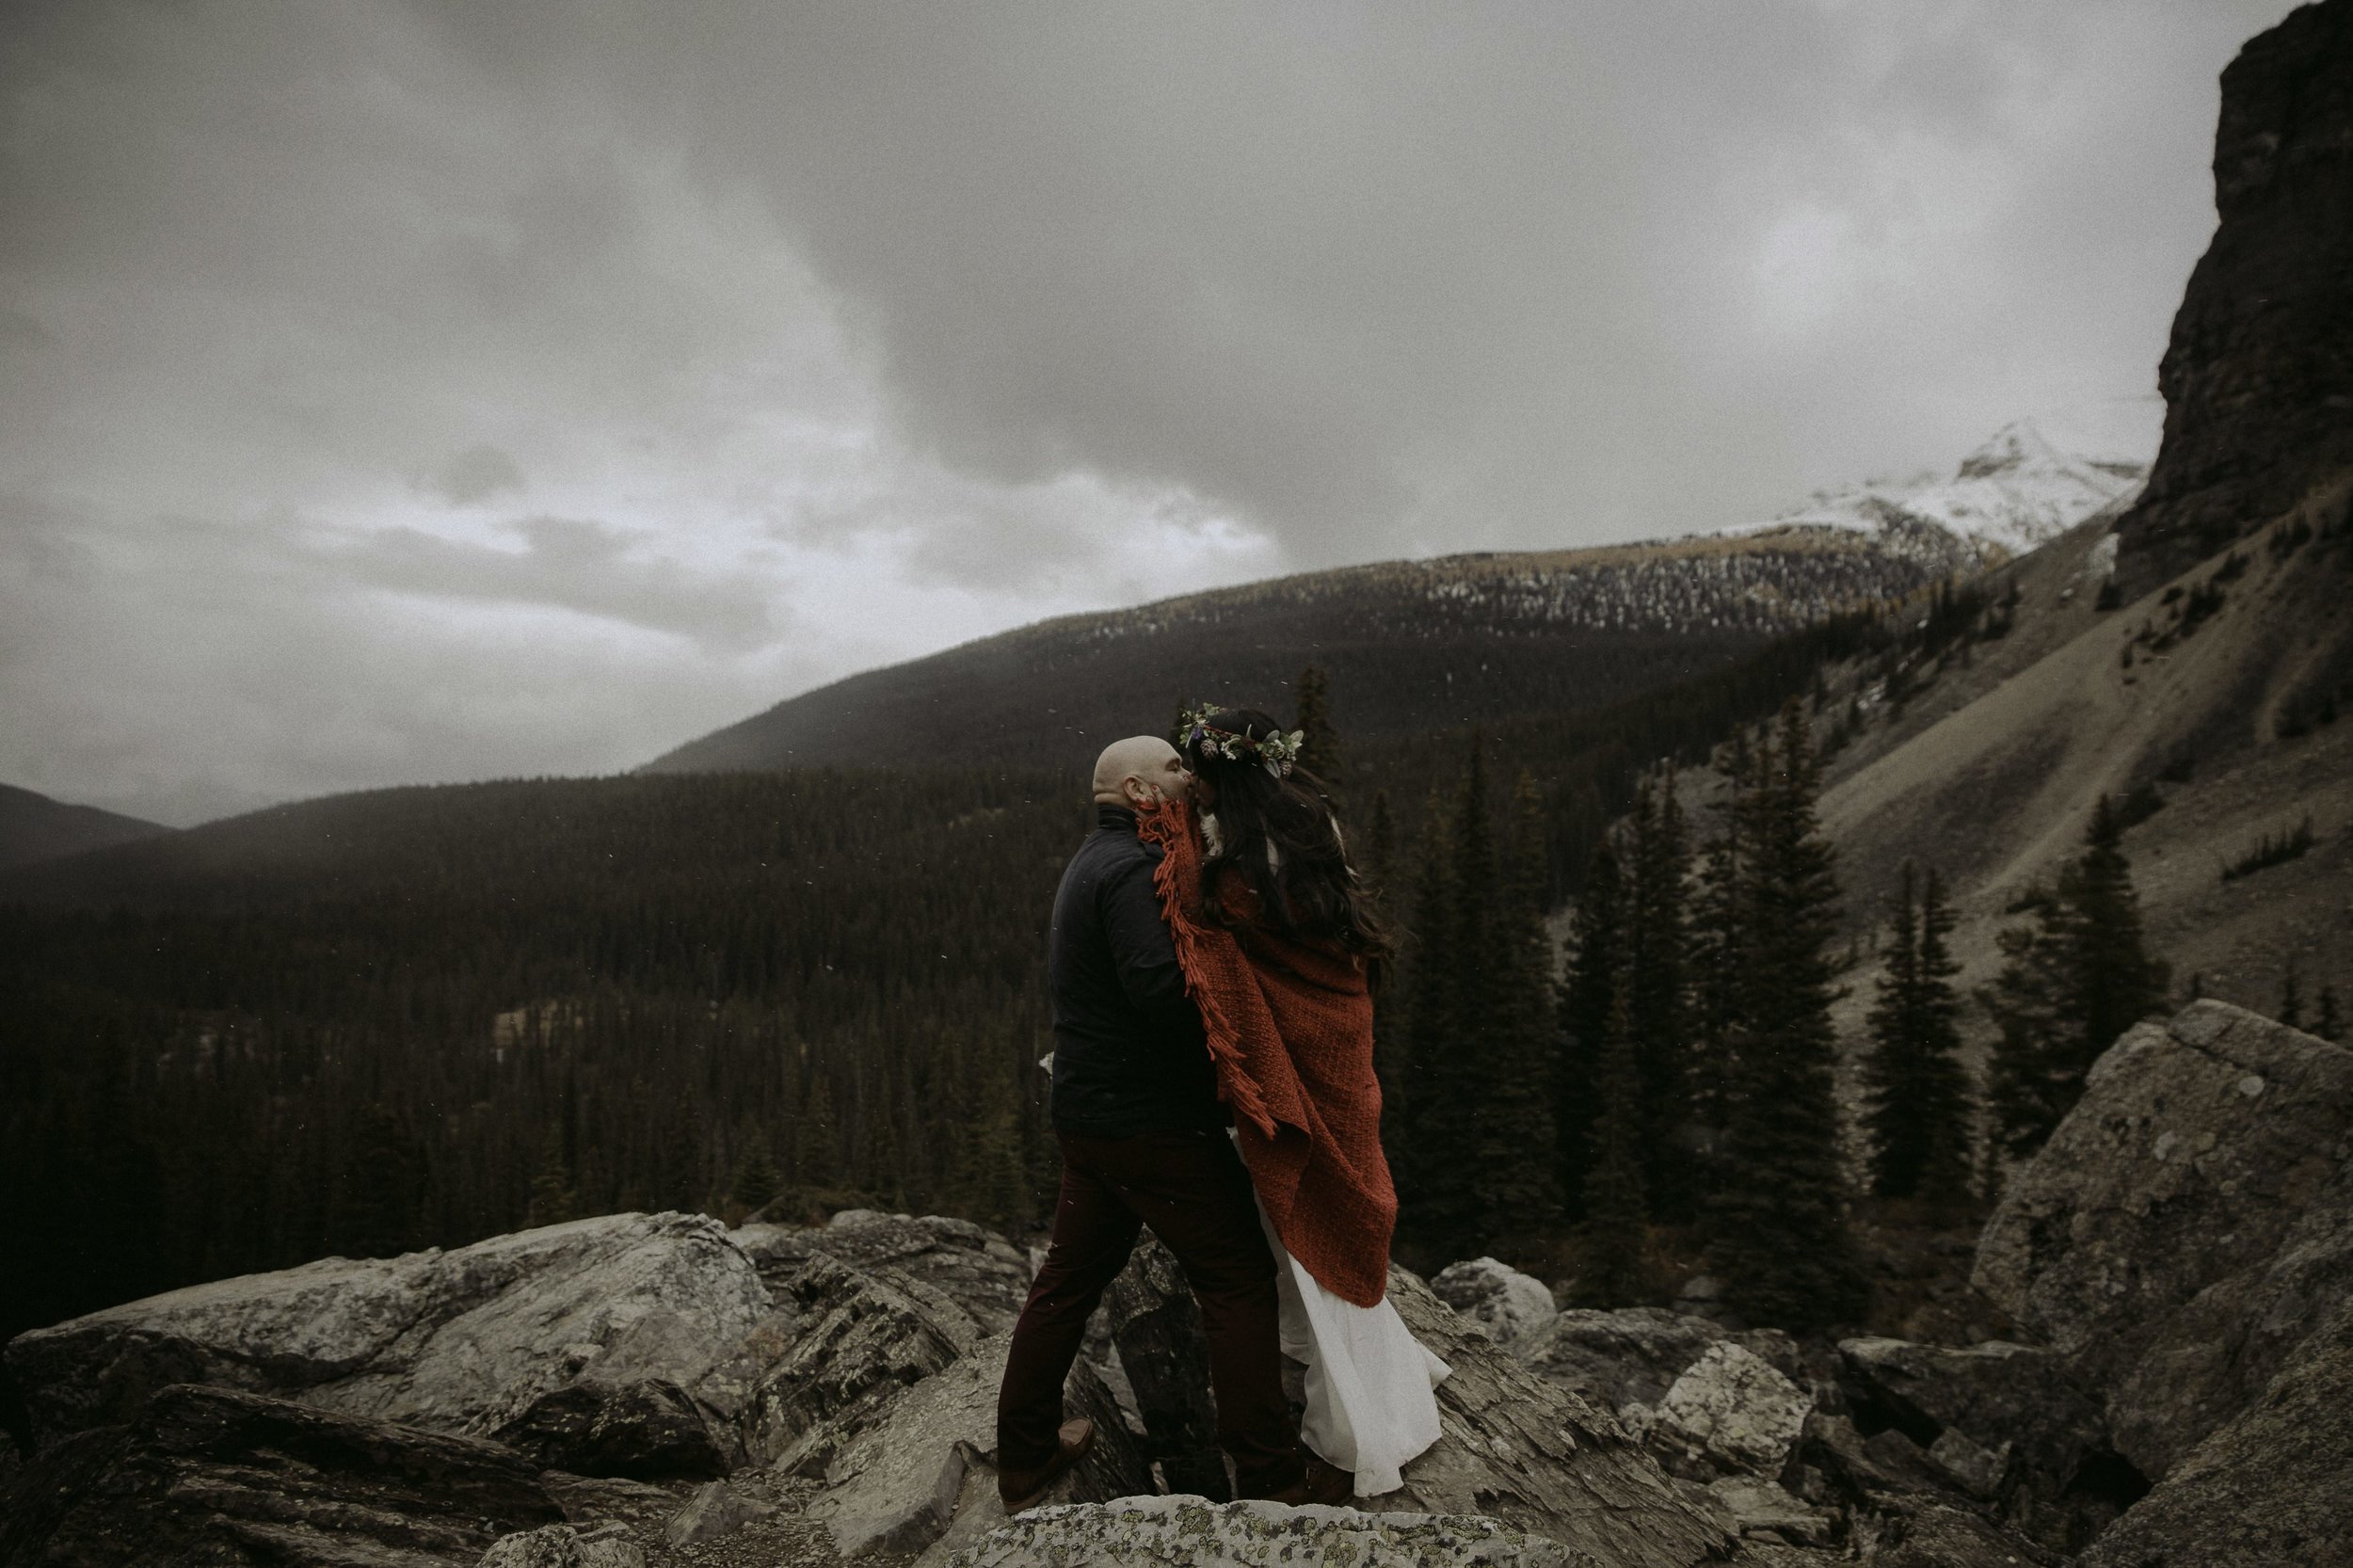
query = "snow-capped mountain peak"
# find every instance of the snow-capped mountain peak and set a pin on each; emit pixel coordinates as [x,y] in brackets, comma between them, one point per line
[2031,481]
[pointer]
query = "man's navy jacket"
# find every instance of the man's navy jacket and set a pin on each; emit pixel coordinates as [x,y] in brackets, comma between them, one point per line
[1129,1055]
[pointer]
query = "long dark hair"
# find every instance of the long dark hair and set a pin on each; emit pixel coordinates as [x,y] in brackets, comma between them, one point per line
[1307,888]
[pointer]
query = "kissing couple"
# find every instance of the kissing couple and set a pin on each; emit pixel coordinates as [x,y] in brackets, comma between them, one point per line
[1211,959]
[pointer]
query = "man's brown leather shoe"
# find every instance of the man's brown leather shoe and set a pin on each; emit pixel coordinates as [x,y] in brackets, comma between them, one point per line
[1018,1489]
[1327,1484]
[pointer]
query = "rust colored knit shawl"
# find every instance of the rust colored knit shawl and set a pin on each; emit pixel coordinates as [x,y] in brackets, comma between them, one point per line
[1290,1025]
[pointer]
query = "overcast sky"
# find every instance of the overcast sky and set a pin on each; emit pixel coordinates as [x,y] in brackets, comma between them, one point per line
[408,392]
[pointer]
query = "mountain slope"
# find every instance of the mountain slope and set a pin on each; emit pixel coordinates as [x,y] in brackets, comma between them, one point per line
[1416,646]
[34,828]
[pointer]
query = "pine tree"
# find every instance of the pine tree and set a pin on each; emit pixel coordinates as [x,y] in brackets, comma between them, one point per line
[2291,1008]
[552,1199]
[379,1198]
[2072,981]
[1432,1140]
[1657,936]
[1778,1235]
[1613,1233]
[2327,1022]
[1589,995]
[1718,959]
[2032,1077]
[817,1145]
[2117,981]
[1916,1090]
[1517,1194]
[1320,744]
[757,1180]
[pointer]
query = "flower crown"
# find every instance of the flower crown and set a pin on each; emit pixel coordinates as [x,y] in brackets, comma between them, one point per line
[1276,753]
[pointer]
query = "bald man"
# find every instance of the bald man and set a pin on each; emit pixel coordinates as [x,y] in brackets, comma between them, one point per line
[1143,1142]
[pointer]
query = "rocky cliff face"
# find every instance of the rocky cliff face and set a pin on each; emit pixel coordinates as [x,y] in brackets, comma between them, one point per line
[2258,377]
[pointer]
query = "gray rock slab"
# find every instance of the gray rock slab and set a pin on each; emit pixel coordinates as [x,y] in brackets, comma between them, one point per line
[1538,1456]
[215,1475]
[864,1339]
[2188,1224]
[1761,1508]
[902,1484]
[715,1510]
[600,1499]
[1192,1532]
[977,1269]
[647,1429]
[457,1341]
[563,1547]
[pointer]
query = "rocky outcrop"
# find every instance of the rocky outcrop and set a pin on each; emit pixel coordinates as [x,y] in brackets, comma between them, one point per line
[928,1464]
[1514,1308]
[647,1429]
[2188,1226]
[2272,1489]
[862,1340]
[217,1475]
[978,1269]
[2007,1422]
[2258,376]
[455,1341]
[1155,1328]
[1537,1456]
[1189,1532]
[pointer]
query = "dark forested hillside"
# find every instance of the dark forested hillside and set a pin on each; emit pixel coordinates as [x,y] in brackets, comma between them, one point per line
[1411,647]
[34,827]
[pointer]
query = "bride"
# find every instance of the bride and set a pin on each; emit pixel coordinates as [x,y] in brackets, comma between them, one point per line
[1281,950]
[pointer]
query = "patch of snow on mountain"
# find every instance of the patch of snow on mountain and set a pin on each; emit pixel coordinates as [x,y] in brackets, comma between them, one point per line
[2033,480]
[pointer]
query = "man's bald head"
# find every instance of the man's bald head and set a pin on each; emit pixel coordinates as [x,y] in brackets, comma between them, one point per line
[1139,770]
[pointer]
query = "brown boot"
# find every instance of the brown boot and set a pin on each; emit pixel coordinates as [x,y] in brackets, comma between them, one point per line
[1327,1484]
[1020,1489]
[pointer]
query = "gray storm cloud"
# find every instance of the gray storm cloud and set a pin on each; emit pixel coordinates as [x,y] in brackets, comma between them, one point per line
[421,392]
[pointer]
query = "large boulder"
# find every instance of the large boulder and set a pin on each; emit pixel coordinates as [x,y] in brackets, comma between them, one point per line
[455,1341]
[219,1476]
[862,1339]
[1514,1308]
[2188,1224]
[927,1466]
[979,1270]
[1729,1414]
[2006,1420]
[2272,1489]
[1190,1532]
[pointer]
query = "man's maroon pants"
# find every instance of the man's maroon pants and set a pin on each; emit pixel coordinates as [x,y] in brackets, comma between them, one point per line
[1193,1190]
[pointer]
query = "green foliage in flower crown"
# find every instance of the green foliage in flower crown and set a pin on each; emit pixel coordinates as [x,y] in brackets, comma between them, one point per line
[1276,753]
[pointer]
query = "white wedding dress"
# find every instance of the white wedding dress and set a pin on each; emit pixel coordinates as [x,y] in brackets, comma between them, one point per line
[1370,1405]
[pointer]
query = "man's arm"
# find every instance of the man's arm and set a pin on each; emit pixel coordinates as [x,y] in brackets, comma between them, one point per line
[1143,953]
